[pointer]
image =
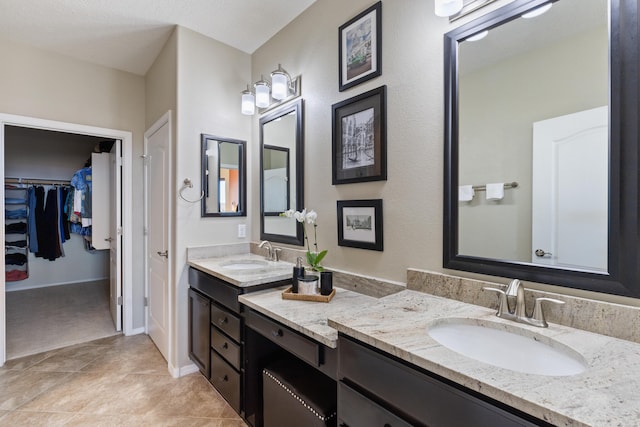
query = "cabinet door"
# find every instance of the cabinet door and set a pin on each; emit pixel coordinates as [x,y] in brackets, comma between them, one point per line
[199,333]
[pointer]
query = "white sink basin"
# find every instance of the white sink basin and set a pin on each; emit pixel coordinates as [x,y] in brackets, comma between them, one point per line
[246,265]
[527,352]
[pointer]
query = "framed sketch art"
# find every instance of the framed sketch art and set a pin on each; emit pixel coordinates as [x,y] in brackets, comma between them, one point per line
[361,48]
[359,140]
[360,224]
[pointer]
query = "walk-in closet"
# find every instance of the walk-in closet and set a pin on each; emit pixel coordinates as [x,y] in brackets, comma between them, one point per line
[57,276]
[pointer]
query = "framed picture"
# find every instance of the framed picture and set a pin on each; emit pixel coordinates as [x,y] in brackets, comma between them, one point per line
[360,224]
[359,140]
[361,47]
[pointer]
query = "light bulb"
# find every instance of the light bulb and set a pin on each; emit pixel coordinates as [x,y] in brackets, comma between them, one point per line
[448,7]
[248,103]
[279,86]
[262,94]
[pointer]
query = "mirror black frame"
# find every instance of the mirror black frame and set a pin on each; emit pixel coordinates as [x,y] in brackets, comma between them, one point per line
[623,276]
[242,188]
[286,109]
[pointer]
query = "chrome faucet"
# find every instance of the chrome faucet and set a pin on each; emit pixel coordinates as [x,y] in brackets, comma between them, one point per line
[512,305]
[272,254]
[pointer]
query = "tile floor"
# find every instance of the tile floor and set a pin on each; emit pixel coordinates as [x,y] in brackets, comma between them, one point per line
[114,381]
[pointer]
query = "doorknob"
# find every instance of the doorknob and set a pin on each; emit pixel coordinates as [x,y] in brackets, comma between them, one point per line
[110,239]
[164,254]
[541,253]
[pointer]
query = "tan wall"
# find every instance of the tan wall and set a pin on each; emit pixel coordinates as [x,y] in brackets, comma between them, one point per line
[46,85]
[211,76]
[412,70]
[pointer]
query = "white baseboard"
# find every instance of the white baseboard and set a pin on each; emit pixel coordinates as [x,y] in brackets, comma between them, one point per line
[13,287]
[183,370]
[136,331]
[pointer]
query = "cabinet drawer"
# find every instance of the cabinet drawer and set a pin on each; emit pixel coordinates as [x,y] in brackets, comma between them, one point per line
[424,399]
[301,346]
[228,322]
[216,289]
[355,410]
[226,347]
[226,380]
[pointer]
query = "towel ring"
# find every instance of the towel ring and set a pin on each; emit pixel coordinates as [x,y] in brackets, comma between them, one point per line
[188,184]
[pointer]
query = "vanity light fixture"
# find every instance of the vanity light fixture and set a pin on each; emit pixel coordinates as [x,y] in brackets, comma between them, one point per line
[268,95]
[537,11]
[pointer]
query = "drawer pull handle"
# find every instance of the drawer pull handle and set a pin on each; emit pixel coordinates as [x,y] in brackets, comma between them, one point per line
[225,346]
[223,321]
[224,379]
[277,333]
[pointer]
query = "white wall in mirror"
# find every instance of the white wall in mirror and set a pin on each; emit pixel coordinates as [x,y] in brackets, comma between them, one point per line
[501,98]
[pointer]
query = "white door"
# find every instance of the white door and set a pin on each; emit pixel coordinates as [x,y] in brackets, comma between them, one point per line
[570,190]
[157,167]
[115,234]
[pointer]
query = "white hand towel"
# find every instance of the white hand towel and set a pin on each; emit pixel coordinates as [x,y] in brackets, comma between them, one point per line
[465,193]
[495,191]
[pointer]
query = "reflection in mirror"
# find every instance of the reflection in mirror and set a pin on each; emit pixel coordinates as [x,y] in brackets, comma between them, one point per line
[530,103]
[275,170]
[223,176]
[281,173]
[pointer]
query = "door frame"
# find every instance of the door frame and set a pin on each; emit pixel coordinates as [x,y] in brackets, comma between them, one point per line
[127,208]
[165,119]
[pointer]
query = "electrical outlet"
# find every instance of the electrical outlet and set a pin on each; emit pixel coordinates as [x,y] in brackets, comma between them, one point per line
[242,231]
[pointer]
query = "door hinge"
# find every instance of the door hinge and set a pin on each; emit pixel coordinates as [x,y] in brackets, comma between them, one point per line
[146,301]
[120,300]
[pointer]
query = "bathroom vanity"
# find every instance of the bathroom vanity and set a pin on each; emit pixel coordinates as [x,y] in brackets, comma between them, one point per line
[216,324]
[386,365]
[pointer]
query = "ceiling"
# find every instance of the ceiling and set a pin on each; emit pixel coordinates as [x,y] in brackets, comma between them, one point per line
[129,34]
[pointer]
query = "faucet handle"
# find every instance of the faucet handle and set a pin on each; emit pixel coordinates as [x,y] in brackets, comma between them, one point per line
[502,295]
[276,253]
[538,314]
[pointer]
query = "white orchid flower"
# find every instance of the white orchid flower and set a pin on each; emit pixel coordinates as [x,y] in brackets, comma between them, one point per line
[299,216]
[288,213]
[311,217]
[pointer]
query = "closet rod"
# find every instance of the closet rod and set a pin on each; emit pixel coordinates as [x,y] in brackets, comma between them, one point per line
[37,181]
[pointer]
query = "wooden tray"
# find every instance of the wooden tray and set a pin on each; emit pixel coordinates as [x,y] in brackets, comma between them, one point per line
[287,294]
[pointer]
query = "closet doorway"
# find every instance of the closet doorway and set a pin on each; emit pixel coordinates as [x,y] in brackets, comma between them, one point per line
[42,153]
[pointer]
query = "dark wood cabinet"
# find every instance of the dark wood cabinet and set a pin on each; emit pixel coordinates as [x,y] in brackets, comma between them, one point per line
[377,386]
[199,326]
[216,333]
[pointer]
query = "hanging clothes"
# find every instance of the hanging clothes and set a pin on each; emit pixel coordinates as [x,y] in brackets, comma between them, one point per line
[78,202]
[48,229]
[31,221]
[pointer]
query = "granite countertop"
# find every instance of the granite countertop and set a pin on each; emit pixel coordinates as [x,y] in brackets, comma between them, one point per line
[605,394]
[258,269]
[306,317]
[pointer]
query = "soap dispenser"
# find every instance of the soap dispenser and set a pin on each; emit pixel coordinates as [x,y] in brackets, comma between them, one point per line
[298,271]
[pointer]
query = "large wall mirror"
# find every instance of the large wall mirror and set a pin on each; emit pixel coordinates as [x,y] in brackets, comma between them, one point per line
[281,173]
[224,176]
[541,135]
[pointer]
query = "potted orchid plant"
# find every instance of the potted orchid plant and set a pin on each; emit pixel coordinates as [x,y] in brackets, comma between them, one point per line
[309,218]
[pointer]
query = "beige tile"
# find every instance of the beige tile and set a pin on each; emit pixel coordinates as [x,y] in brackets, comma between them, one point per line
[71,359]
[19,387]
[95,420]
[75,393]
[35,419]
[136,357]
